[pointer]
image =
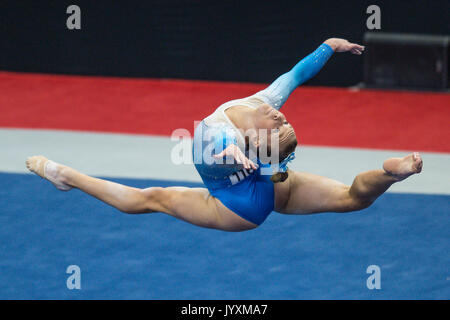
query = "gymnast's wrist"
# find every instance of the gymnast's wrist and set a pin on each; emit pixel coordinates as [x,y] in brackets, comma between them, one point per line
[332,43]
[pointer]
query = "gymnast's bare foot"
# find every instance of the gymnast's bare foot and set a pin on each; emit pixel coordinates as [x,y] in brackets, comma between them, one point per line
[49,170]
[402,168]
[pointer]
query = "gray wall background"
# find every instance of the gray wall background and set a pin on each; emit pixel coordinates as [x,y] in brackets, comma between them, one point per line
[251,41]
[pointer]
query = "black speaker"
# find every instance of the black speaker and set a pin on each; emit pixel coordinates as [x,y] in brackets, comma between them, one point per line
[406,61]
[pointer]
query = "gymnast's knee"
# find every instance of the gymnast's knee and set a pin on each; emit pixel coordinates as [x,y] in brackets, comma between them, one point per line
[357,201]
[143,201]
[349,201]
[156,199]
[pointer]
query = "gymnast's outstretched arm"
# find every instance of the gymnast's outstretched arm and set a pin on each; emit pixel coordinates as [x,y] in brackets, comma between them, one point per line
[278,92]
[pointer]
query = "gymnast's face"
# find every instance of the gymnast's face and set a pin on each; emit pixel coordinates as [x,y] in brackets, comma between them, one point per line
[269,118]
[277,127]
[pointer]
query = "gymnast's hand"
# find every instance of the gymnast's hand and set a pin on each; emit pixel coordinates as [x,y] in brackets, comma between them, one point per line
[234,151]
[342,45]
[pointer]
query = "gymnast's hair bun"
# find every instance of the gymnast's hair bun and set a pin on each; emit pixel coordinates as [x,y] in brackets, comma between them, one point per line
[279,177]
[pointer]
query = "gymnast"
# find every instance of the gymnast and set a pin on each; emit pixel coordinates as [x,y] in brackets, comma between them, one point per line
[241,152]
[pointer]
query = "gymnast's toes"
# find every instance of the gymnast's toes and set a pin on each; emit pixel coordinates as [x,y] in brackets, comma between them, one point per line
[417,162]
[401,168]
[49,170]
[36,164]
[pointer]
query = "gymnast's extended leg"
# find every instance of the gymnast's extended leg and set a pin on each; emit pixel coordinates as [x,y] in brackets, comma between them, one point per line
[194,205]
[305,193]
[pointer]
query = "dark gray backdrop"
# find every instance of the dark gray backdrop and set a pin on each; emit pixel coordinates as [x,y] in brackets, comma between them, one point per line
[215,40]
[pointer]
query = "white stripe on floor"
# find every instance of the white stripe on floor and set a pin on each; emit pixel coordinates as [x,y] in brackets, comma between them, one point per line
[141,156]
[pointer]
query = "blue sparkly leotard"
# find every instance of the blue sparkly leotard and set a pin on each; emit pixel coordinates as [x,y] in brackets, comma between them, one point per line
[248,193]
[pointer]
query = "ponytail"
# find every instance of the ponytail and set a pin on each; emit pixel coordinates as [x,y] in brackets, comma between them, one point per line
[279,177]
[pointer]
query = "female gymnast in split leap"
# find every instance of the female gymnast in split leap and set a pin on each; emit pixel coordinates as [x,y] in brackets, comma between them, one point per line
[241,193]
